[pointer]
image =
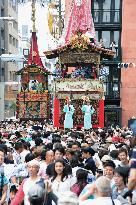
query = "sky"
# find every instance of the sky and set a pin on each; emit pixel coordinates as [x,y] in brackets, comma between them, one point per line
[43,34]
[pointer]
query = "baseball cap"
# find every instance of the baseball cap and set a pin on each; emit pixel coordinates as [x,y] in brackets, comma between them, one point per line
[105,158]
[36,194]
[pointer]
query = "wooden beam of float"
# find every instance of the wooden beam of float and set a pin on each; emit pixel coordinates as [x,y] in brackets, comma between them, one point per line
[70,57]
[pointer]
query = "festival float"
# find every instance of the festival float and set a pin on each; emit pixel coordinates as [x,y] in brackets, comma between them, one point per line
[80,58]
[33,101]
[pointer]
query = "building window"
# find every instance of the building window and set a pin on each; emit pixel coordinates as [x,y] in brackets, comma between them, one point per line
[106,38]
[14,41]
[106,11]
[106,5]
[10,75]
[10,2]
[116,36]
[96,36]
[96,16]
[10,39]
[2,34]
[25,52]
[2,12]
[96,4]
[14,76]
[15,25]
[116,16]
[115,74]
[117,4]
[3,72]
[106,16]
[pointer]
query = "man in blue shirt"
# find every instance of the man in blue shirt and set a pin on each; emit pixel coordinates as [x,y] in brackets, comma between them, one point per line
[88,154]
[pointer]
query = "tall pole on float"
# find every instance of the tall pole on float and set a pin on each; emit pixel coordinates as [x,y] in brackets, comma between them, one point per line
[60,19]
[33,18]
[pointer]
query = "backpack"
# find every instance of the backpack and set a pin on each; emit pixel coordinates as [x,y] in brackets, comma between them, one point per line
[77,188]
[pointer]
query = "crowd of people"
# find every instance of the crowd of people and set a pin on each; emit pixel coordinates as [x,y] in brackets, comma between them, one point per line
[42,165]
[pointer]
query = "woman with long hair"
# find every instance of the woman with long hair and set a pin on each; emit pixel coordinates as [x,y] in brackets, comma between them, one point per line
[60,182]
[81,176]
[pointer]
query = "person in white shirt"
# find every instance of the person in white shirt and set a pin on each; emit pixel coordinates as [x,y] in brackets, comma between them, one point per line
[103,192]
[25,151]
[61,182]
[47,158]
[16,153]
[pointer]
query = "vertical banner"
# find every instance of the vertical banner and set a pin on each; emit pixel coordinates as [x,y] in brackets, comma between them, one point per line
[101,113]
[56,114]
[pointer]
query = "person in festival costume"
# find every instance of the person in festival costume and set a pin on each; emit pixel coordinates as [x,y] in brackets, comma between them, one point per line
[88,110]
[69,110]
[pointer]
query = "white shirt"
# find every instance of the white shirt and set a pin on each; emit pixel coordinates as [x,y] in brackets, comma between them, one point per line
[60,187]
[100,201]
[9,170]
[16,157]
[42,170]
[23,154]
[26,187]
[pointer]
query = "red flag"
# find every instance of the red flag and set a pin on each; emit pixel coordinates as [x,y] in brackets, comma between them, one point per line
[34,57]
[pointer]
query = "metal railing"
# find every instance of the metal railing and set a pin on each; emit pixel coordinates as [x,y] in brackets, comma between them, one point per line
[117,55]
[112,90]
[106,16]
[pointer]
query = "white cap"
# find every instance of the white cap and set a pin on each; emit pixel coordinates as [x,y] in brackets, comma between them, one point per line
[33,162]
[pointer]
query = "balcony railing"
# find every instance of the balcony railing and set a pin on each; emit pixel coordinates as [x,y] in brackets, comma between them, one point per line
[106,16]
[117,55]
[112,90]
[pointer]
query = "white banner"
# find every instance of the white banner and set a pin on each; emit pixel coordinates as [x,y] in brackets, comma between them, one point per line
[68,85]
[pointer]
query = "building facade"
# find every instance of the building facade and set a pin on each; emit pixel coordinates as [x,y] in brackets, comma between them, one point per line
[128,75]
[107,17]
[8,45]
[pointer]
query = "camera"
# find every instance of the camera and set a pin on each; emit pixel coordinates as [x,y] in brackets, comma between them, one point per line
[99,171]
